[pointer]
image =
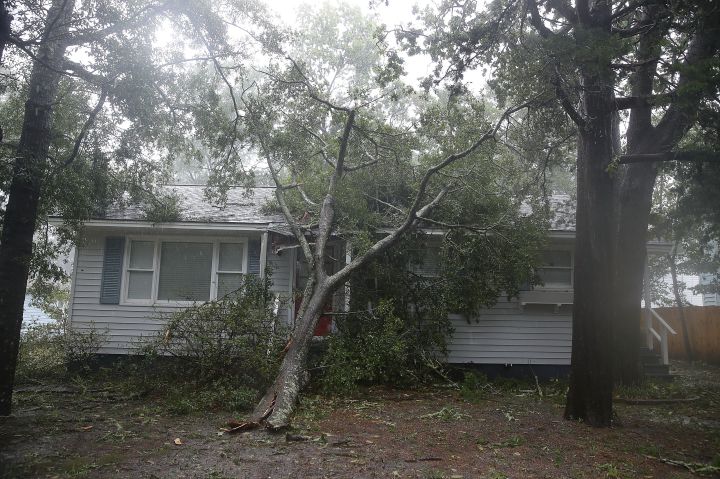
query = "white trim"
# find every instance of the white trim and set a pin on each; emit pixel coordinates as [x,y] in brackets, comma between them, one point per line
[158,240]
[160,227]
[73,282]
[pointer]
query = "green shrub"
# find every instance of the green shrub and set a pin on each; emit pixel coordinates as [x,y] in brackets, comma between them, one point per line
[49,350]
[378,347]
[226,350]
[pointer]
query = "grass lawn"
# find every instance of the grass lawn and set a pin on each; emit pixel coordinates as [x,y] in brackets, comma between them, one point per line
[94,428]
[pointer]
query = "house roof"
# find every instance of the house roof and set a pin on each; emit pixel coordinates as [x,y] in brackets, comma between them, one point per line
[243,205]
[248,206]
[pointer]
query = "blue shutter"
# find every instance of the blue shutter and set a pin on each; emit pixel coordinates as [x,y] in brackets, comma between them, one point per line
[112,270]
[254,256]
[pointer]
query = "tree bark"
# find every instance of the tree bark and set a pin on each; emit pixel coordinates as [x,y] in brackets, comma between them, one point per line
[591,381]
[24,194]
[635,201]
[590,393]
[5,25]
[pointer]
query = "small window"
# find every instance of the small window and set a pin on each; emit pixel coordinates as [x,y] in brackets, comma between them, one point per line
[141,270]
[230,268]
[555,270]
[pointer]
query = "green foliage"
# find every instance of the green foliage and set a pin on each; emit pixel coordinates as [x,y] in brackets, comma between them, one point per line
[52,350]
[165,208]
[236,339]
[222,394]
[376,349]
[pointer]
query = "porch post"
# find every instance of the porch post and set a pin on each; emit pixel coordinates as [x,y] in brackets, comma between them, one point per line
[263,253]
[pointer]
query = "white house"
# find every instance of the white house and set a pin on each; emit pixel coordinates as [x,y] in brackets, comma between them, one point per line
[130,270]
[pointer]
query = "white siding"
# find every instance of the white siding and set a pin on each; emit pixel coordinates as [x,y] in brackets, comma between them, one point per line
[126,325]
[507,334]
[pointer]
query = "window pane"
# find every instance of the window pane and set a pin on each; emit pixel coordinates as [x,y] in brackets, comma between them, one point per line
[227,283]
[555,277]
[231,257]
[141,254]
[556,258]
[185,271]
[140,285]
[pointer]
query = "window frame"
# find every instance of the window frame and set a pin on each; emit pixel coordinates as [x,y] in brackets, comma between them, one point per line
[158,240]
[571,267]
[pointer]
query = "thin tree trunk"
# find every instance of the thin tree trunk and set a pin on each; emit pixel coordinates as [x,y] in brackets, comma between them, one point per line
[24,196]
[680,304]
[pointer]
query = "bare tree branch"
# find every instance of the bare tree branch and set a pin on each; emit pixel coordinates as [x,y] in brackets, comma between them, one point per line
[88,124]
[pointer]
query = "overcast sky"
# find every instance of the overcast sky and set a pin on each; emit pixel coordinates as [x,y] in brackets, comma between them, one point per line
[396,12]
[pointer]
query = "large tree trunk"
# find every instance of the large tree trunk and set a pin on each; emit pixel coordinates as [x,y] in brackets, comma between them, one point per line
[22,207]
[590,393]
[635,187]
[591,381]
[5,21]
[635,201]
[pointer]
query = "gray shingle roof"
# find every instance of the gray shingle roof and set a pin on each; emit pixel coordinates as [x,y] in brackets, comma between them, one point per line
[246,206]
[243,206]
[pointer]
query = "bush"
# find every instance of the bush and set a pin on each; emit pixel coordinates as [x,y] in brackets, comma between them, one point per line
[50,350]
[229,349]
[377,348]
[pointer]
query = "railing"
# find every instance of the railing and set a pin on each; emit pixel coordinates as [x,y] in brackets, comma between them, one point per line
[650,316]
[652,334]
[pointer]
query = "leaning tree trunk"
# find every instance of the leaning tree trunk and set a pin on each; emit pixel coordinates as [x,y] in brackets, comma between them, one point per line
[278,403]
[24,195]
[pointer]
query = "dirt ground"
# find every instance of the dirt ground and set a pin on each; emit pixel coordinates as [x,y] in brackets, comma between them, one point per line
[502,432]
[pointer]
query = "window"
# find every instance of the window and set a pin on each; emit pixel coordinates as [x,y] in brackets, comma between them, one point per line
[230,268]
[183,271]
[426,262]
[555,269]
[141,268]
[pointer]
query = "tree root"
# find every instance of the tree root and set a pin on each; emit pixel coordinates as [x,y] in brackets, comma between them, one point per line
[237,426]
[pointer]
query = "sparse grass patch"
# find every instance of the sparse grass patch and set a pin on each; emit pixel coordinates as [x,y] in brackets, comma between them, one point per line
[447,413]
